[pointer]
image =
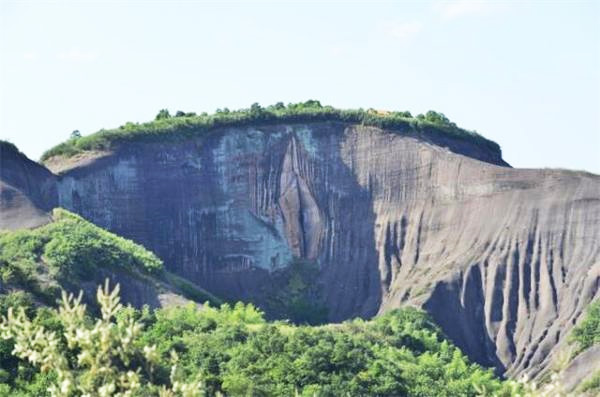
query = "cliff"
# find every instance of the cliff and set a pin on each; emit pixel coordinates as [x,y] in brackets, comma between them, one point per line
[504,259]
[27,190]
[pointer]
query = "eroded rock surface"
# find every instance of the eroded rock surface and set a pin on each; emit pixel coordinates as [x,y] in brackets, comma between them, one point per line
[504,259]
[27,190]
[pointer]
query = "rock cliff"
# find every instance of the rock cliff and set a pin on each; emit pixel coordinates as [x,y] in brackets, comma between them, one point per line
[27,190]
[504,259]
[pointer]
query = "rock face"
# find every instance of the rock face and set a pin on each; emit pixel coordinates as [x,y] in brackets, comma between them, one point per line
[504,259]
[27,190]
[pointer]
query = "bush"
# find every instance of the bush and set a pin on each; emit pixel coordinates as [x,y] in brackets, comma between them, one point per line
[77,248]
[70,249]
[587,332]
[92,358]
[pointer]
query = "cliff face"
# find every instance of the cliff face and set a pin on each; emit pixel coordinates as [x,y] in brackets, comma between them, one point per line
[504,259]
[27,190]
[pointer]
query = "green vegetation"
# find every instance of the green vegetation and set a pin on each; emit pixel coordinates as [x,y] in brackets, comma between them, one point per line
[587,332]
[79,357]
[592,385]
[18,377]
[189,351]
[188,125]
[79,247]
[298,300]
[68,250]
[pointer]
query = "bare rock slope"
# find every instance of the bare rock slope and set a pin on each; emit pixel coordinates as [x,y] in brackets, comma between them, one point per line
[504,259]
[27,190]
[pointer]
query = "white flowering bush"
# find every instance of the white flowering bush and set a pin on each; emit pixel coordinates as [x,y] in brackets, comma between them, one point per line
[93,358]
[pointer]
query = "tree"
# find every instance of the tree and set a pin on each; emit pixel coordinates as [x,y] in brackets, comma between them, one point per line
[163,114]
[312,103]
[255,108]
[75,134]
[436,117]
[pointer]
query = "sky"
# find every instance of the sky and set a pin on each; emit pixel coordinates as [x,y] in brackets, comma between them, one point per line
[525,74]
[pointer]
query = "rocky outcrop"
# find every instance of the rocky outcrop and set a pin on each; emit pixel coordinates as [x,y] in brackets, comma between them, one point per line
[504,259]
[27,190]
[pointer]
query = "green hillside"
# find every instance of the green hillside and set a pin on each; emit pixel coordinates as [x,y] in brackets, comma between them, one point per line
[70,252]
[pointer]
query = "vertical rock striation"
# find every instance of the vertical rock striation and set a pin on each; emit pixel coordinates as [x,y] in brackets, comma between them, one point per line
[504,259]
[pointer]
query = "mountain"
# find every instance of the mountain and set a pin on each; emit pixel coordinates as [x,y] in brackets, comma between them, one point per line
[27,190]
[343,213]
[44,248]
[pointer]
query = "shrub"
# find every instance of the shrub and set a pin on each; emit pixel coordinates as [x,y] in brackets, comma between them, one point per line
[587,332]
[71,249]
[92,358]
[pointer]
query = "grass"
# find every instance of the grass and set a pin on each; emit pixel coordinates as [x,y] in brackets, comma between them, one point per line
[188,125]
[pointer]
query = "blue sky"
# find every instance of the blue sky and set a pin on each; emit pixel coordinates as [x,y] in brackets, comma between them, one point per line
[525,74]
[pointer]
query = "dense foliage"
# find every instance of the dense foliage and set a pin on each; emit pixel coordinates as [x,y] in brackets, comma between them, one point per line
[71,247]
[80,357]
[232,350]
[587,332]
[186,125]
[67,249]
[70,251]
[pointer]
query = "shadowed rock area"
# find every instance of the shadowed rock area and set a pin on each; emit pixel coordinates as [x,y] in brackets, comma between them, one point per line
[27,190]
[504,259]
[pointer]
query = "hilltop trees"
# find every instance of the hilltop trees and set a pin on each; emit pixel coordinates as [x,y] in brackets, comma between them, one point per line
[186,125]
[163,114]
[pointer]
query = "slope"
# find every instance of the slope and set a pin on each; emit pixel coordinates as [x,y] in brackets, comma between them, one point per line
[72,254]
[27,190]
